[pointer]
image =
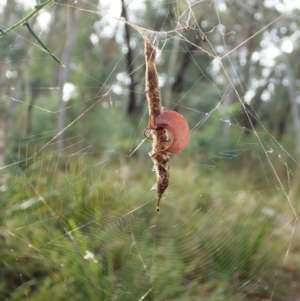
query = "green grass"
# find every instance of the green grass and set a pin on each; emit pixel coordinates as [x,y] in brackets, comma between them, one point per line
[85,230]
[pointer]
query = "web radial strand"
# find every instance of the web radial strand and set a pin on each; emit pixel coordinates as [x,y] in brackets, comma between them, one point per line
[78,216]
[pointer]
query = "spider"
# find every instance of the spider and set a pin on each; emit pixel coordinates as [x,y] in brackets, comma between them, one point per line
[159,122]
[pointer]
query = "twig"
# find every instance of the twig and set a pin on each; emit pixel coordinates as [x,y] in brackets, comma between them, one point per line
[37,8]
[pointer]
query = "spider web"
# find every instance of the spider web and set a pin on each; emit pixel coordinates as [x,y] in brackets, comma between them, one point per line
[80,222]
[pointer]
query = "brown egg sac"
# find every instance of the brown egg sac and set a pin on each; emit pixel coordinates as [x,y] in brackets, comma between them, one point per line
[177,126]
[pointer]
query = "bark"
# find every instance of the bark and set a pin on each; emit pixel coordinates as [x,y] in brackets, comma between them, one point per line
[132,105]
[65,72]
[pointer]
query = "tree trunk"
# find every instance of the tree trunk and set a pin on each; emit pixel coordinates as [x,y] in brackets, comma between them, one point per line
[251,46]
[228,100]
[292,98]
[250,116]
[2,143]
[132,105]
[285,110]
[65,72]
[186,60]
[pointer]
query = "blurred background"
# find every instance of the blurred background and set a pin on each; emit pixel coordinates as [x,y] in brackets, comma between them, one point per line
[78,216]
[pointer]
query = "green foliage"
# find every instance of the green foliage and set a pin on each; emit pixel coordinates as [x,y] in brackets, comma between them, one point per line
[98,243]
[80,223]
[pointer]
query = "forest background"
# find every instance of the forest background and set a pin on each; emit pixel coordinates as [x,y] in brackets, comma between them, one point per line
[78,218]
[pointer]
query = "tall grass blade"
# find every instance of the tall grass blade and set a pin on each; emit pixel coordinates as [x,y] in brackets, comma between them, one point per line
[43,45]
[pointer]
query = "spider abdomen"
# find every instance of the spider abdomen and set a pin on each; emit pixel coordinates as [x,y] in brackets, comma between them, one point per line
[176,124]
